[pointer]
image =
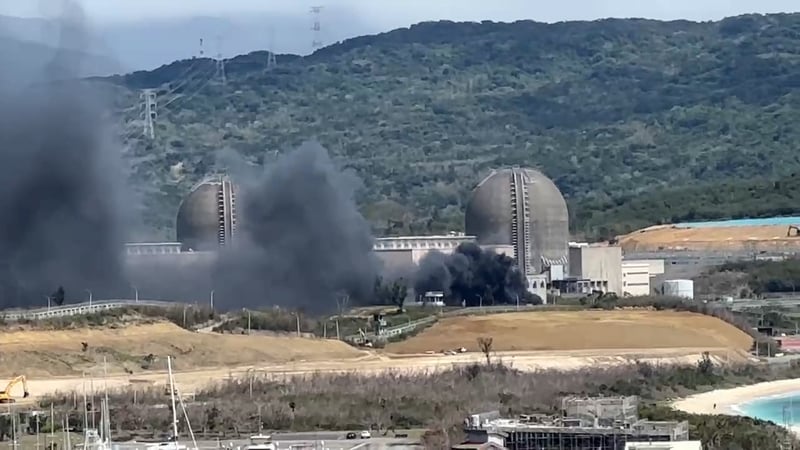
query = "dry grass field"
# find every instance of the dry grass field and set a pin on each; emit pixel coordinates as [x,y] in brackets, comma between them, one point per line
[578,330]
[771,237]
[39,353]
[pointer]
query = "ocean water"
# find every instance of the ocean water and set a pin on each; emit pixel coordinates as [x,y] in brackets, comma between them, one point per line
[743,222]
[783,409]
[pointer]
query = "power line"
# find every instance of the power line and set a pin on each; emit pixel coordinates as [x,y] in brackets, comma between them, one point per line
[210,74]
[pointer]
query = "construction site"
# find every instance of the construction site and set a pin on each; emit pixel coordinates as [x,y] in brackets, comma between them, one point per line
[608,423]
[774,235]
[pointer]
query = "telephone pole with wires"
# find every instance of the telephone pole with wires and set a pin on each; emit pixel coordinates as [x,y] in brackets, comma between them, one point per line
[148,97]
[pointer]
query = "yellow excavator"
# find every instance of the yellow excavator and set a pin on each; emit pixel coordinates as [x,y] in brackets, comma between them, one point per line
[5,395]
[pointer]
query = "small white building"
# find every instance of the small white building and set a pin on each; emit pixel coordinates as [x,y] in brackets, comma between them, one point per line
[635,278]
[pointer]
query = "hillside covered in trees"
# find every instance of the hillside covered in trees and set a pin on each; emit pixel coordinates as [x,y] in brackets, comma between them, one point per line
[637,121]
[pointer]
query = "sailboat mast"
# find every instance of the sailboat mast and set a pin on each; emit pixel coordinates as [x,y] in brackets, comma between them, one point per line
[85,407]
[107,409]
[52,424]
[172,397]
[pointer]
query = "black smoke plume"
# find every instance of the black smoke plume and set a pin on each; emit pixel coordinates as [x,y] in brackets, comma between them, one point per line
[302,240]
[59,183]
[472,276]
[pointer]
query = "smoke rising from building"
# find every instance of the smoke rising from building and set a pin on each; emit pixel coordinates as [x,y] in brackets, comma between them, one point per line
[471,275]
[59,185]
[301,239]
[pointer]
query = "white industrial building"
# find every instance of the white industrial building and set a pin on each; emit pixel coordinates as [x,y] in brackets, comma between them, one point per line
[602,268]
[402,252]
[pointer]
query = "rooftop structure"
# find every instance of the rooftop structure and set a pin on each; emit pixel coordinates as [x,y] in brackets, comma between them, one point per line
[585,424]
[207,216]
[522,208]
[450,241]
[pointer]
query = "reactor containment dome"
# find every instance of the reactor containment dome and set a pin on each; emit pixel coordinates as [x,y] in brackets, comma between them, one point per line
[207,216]
[524,209]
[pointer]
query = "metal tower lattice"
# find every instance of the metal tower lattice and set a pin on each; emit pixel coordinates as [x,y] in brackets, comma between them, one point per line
[149,113]
[316,27]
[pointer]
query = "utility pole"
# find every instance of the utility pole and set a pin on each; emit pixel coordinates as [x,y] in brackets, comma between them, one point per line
[148,97]
[316,42]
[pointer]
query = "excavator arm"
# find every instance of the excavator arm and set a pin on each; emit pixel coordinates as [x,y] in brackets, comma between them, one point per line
[5,395]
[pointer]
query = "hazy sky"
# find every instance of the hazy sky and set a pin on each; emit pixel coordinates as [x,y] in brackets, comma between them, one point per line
[394,13]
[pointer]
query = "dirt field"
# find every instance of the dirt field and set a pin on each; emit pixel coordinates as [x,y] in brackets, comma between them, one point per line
[579,330]
[771,237]
[54,360]
[59,353]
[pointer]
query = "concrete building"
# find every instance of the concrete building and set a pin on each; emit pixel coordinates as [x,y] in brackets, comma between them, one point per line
[636,278]
[207,217]
[403,252]
[584,424]
[152,248]
[598,264]
[524,209]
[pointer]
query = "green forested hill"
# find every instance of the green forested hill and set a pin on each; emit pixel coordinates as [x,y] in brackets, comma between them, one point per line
[612,110]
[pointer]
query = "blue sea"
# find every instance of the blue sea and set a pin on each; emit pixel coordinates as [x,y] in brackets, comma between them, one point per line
[783,409]
[743,222]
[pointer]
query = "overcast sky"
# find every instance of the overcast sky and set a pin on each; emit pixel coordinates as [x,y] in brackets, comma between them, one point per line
[388,14]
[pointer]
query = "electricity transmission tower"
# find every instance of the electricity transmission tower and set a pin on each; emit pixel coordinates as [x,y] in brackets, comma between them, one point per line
[271,61]
[148,97]
[220,62]
[317,40]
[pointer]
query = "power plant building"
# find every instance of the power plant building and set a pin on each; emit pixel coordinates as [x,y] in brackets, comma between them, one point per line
[524,209]
[402,252]
[207,217]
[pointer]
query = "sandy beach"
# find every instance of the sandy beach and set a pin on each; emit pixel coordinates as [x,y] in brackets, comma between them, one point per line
[727,401]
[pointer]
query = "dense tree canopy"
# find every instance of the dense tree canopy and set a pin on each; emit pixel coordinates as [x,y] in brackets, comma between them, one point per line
[620,113]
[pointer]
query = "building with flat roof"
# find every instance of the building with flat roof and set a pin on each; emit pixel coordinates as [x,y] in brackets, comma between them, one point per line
[403,252]
[610,423]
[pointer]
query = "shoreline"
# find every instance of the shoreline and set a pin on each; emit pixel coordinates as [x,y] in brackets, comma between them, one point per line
[729,401]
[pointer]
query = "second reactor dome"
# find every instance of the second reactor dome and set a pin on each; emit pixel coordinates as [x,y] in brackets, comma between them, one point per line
[207,215]
[523,208]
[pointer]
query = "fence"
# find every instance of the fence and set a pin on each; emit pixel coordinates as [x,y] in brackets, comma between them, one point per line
[400,330]
[80,308]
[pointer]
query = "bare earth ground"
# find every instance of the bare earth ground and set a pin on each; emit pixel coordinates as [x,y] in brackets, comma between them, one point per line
[57,353]
[578,330]
[768,237]
[53,360]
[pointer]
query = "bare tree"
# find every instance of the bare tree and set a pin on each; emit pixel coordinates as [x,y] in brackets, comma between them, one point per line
[485,344]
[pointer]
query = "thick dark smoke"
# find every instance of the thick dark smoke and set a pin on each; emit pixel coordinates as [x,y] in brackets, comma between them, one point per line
[302,239]
[471,275]
[60,187]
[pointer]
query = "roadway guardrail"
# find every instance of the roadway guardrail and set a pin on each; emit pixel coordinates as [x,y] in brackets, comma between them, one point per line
[80,308]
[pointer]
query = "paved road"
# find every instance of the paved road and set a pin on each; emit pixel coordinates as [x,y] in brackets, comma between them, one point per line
[285,441]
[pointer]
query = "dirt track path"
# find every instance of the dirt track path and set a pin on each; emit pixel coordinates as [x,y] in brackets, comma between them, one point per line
[374,363]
